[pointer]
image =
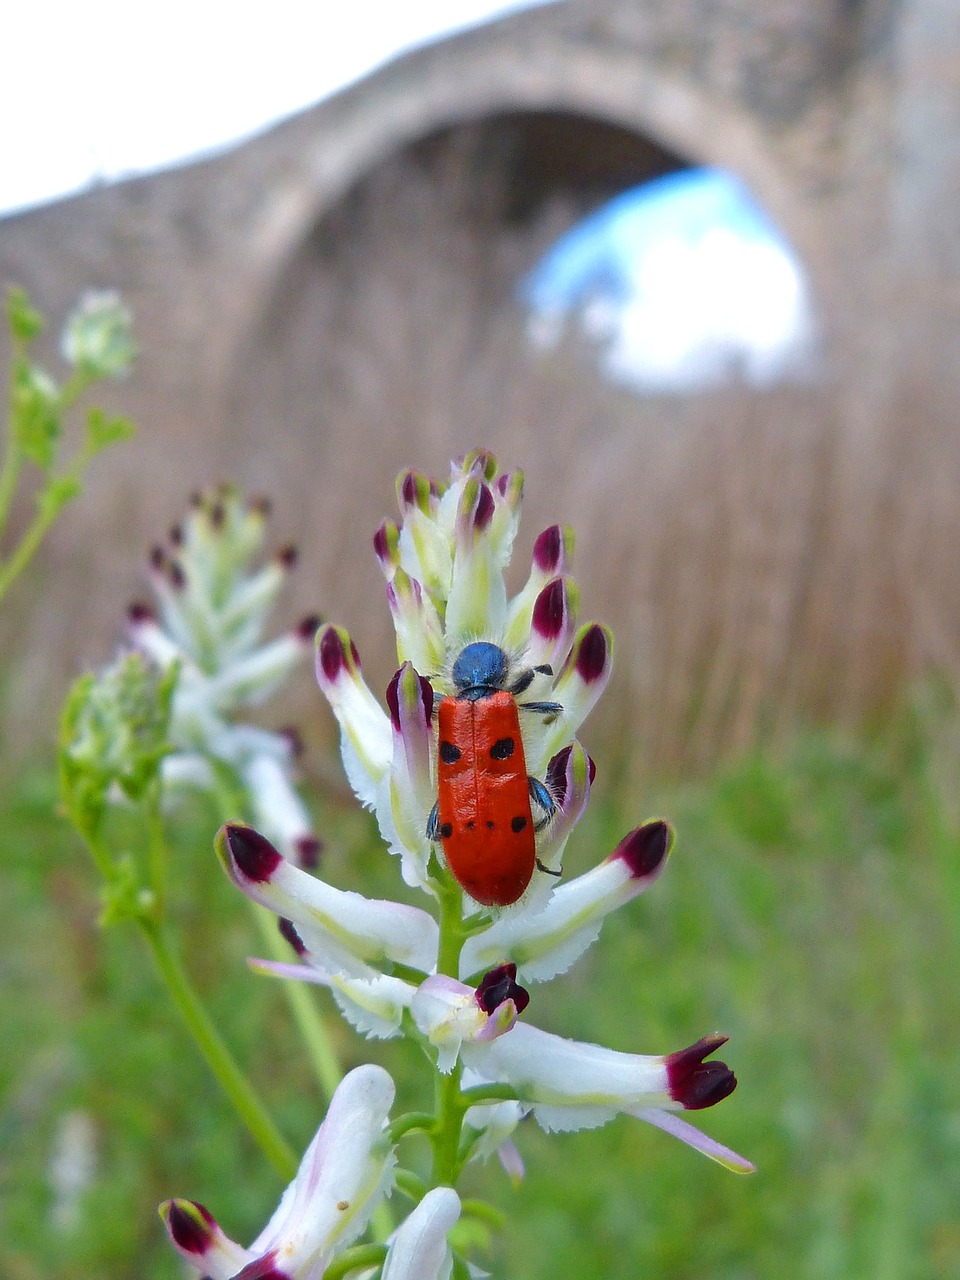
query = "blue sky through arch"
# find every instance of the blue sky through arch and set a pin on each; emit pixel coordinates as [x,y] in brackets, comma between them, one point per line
[680,284]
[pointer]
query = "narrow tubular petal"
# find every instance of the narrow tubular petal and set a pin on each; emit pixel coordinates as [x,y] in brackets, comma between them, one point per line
[418,1249]
[373,1003]
[254,676]
[345,1172]
[416,622]
[686,1132]
[581,681]
[553,622]
[412,791]
[567,1083]
[547,942]
[366,741]
[552,556]
[341,927]
[477,604]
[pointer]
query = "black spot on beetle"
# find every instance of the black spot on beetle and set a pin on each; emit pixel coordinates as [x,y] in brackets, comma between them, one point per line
[502,749]
[446,831]
[518,823]
[450,753]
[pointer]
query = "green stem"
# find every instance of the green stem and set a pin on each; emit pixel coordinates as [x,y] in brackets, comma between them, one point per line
[218,1057]
[360,1258]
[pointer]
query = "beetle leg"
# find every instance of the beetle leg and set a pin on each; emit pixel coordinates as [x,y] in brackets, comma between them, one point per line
[433,825]
[548,709]
[548,871]
[541,797]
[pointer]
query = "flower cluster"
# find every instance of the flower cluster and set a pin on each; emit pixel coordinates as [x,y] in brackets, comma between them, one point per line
[212,609]
[471,760]
[387,964]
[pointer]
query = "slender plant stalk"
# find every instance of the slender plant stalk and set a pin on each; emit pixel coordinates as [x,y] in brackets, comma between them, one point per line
[218,1057]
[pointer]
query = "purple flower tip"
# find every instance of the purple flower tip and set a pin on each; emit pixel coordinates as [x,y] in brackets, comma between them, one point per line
[139,614]
[331,654]
[696,1084]
[393,696]
[593,654]
[191,1226]
[289,933]
[158,558]
[288,556]
[550,609]
[178,579]
[308,850]
[645,848]
[307,628]
[218,515]
[548,548]
[485,509]
[385,542]
[176,535]
[556,775]
[500,985]
[253,855]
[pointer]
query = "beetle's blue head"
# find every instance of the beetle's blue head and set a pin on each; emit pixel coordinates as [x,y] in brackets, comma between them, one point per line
[480,670]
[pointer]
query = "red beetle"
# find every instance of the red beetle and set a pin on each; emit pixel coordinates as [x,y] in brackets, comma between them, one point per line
[483,816]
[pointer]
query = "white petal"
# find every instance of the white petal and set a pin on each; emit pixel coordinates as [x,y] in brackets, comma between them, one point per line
[569,1084]
[419,1249]
[343,1175]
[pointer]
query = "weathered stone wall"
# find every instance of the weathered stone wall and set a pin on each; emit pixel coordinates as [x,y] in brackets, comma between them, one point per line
[331,300]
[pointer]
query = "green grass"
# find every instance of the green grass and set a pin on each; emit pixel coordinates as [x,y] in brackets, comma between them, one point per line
[810,911]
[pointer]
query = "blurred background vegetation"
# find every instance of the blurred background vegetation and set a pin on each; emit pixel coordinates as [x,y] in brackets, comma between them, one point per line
[811,911]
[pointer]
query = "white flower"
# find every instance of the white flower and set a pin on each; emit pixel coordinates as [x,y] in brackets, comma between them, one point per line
[568,1084]
[344,1174]
[213,611]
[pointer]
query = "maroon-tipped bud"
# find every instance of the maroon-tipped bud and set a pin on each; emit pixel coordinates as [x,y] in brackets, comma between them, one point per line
[550,610]
[307,628]
[593,654]
[386,543]
[556,774]
[393,699]
[308,850]
[696,1084]
[255,857]
[289,934]
[502,483]
[500,985]
[288,556]
[176,575]
[548,549]
[158,559]
[176,535]
[218,515]
[139,614]
[331,654]
[645,848]
[485,509]
[191,1226]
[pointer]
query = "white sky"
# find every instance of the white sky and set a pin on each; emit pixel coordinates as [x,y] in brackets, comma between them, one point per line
[94,89]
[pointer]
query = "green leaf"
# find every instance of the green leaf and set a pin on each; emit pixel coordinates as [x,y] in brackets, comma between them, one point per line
[104,431]
[25,322]
[35,413]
